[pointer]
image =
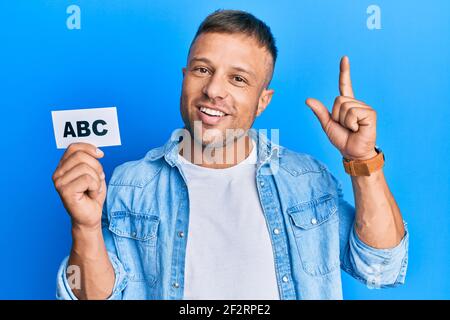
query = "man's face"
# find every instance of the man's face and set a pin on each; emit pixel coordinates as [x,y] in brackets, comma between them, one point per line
[224,84]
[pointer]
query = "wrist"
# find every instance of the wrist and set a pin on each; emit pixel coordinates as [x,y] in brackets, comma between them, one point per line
[373,153]
[86,228]
[87,242]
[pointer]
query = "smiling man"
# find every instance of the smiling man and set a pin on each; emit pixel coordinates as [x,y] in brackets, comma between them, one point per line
[222,212]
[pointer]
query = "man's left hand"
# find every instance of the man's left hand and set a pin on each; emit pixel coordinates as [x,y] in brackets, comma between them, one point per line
[351,126]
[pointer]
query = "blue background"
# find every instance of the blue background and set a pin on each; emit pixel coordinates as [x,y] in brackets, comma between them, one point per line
[129,54]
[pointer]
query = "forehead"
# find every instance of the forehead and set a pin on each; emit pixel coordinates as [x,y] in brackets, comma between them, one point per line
[232,49]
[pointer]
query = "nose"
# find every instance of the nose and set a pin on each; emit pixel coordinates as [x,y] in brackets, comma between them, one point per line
[215,88]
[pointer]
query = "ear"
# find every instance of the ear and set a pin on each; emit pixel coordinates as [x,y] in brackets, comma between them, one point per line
[264,100]
[183,70]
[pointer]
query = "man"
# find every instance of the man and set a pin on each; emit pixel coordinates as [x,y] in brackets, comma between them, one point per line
[221,212]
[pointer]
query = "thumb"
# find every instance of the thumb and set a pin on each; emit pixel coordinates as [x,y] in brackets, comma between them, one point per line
[319,110]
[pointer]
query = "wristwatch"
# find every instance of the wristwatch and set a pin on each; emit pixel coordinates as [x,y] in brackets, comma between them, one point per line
[364,167]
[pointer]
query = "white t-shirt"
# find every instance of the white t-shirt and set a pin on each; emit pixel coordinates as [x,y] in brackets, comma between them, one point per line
[229,254]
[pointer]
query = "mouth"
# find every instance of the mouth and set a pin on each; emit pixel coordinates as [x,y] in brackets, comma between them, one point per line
[211,116]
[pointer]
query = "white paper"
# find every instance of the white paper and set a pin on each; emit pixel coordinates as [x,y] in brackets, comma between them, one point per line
[98,126]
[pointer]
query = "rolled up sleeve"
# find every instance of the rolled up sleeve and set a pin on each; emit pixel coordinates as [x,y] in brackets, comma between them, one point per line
[64,292]
[377,268]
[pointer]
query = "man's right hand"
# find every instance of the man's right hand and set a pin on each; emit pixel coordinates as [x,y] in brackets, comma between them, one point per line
[80,182]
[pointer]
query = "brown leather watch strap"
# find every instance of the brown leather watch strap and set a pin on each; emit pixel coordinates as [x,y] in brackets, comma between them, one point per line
[364,167]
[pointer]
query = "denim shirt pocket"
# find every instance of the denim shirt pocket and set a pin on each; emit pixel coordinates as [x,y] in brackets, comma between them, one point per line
[136,238]
[315,225]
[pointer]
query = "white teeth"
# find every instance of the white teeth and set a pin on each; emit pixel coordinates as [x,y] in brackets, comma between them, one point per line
[212,112]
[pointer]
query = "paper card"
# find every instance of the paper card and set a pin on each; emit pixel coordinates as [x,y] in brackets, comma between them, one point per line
[98,126]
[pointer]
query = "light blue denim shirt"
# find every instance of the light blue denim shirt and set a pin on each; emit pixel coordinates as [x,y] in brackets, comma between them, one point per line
[311,227]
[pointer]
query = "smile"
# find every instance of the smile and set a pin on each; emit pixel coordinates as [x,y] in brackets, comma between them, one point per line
[212,112]
[210,116]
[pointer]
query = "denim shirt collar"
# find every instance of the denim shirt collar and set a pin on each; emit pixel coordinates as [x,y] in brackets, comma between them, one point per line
[266,149]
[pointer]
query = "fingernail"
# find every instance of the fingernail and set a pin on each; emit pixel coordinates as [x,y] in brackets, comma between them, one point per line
[102,175]
[99,152]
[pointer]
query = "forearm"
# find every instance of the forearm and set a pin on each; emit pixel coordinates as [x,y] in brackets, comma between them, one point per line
[96,271]
[378,221]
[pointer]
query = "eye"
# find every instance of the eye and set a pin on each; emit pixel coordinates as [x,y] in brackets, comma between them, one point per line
[239,81]
[201,70]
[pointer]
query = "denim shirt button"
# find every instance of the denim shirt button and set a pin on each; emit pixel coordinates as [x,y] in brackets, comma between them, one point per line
[313,221]
[276,231]
[262,183]
[285,279]
[181,234]
[176,285]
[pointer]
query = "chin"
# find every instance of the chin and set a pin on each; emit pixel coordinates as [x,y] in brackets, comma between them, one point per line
[213,140]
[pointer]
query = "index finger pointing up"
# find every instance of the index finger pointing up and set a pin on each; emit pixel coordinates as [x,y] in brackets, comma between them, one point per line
[345,82]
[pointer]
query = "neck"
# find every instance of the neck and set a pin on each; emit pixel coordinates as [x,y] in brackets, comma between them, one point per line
[218,157]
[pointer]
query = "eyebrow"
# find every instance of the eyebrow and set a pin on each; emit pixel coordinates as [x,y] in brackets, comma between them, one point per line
[237,68]
[244,71]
